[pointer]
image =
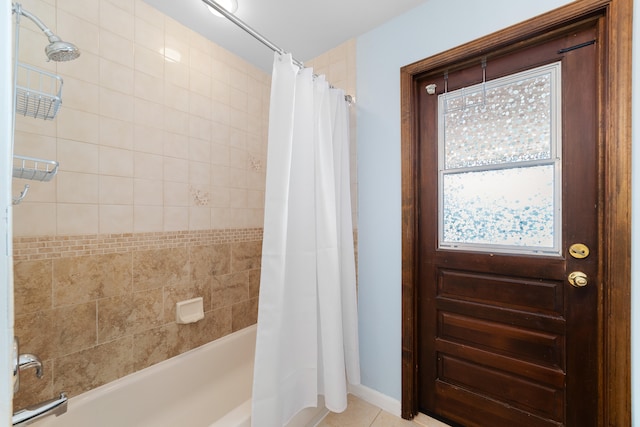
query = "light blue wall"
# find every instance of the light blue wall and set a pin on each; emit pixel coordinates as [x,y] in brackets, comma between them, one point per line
[429,29]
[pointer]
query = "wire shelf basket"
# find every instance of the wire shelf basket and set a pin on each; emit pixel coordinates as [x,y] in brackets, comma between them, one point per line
[33,168]
[38,92]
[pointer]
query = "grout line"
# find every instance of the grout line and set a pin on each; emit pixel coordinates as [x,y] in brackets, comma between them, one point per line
[376,417]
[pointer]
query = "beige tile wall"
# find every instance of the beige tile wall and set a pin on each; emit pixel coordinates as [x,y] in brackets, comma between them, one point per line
[161,140]
[145,144]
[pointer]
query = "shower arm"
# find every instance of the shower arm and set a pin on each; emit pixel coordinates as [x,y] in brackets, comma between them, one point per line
[18,10]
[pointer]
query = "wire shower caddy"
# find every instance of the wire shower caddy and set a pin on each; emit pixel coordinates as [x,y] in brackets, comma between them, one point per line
[35,169]
[38,92]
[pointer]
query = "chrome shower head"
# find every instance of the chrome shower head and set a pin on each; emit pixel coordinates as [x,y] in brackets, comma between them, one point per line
[57,50]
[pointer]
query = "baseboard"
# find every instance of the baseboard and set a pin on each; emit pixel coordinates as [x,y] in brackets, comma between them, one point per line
[374,397]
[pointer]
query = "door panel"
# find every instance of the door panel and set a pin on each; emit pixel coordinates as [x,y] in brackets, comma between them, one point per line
[504,339]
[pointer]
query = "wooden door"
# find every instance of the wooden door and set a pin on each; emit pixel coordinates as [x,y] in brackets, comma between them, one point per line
[503,338]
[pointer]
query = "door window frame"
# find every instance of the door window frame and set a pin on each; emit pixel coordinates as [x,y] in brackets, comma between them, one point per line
[614,401]
[554,159]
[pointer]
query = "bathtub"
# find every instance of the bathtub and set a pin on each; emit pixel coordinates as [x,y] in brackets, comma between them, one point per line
[206,387]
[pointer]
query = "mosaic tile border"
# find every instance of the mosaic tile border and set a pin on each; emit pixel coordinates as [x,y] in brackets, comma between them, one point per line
[68,246]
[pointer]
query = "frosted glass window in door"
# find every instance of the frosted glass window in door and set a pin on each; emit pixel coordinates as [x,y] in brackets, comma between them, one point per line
[499,164]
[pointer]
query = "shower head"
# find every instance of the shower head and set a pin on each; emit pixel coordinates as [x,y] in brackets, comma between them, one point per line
[57,50]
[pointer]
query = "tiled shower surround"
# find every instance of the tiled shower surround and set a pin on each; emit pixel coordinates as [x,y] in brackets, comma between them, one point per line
[161,139]
[110,310]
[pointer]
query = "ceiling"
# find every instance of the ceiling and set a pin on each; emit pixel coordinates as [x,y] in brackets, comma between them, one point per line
[304,28]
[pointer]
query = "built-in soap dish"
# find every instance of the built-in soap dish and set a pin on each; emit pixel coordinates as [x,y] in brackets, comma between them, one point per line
[189,311]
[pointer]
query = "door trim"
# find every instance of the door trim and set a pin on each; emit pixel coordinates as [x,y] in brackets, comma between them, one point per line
[614,314]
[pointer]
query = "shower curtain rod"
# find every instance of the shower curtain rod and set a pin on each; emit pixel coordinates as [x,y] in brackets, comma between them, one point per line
[256,35]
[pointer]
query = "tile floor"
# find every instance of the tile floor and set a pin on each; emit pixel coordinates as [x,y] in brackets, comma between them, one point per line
[363,414]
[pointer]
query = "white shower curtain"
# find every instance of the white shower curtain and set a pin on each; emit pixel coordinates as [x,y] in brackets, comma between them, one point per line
[307,342]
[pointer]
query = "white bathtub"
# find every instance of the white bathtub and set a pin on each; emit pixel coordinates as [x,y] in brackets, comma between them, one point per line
[206,387]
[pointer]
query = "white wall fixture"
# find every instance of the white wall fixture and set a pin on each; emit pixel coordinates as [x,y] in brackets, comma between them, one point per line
[189,311]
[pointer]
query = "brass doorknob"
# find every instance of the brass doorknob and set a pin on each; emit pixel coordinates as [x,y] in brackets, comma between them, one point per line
[578,279]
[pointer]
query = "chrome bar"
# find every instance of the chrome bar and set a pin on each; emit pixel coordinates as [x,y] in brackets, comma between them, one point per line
[34,413]
[240,23]
[262,39]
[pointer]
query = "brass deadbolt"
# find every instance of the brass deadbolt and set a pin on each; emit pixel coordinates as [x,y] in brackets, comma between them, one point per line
[579,250]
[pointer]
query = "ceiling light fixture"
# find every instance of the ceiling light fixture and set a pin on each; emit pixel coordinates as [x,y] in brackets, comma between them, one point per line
[229,5]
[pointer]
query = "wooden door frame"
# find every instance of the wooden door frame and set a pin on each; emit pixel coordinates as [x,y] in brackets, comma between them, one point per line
[614,313]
